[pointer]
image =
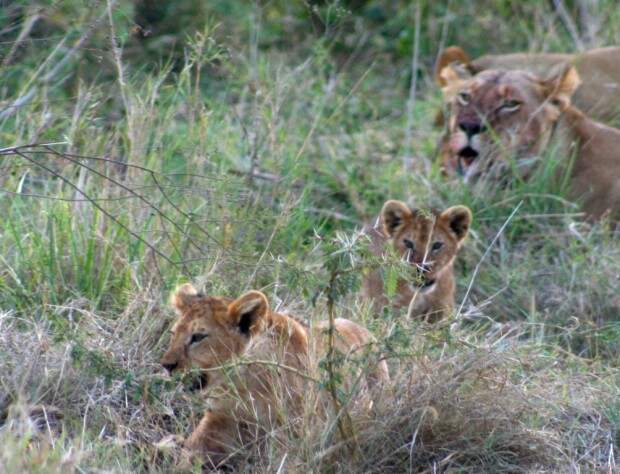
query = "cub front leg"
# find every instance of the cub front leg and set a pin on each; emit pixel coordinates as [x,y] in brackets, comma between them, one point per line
[213,439]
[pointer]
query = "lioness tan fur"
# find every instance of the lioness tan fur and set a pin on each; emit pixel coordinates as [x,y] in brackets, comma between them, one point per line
[253,361]
[429,241]
[500,114]
[599,69]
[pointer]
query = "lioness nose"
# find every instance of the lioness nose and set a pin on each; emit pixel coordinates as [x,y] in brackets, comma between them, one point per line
[472,128]
[170,366]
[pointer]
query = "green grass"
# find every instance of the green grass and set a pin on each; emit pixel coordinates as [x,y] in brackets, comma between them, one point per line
[251,164]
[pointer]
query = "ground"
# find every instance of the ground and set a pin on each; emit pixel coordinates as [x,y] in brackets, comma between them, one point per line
[246,151]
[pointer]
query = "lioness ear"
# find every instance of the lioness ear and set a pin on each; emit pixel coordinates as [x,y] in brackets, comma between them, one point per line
[458,219]
[183,296]
[248,313]
[562,84]
[451,55]
[452,76]
[393,215]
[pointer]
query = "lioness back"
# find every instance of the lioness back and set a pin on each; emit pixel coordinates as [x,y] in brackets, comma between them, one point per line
[599,69]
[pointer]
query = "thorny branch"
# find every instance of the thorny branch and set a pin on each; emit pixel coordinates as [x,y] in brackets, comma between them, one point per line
[343,420]
[28,152]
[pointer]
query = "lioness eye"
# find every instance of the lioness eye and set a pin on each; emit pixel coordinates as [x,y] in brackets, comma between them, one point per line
[511,105]
[464,98]
[436,246]
[409,244]
[197,337]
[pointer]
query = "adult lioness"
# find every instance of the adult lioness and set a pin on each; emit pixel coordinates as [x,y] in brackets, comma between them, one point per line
[599,69]
[429,241]
[253,359]
[499,114]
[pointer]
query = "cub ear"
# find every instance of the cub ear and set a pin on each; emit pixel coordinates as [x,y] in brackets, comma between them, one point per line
[562,84]
[394,214]
[458,219]
[450,55]
[183,296]
[249,312]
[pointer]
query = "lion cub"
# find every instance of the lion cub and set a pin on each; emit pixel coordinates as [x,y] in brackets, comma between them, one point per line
[255,362]
[429,242]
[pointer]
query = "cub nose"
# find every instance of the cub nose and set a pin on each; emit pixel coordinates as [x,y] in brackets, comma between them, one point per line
[170,366]
[471,128]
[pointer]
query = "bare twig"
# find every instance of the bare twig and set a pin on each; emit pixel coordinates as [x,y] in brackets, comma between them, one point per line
[155,208]
[26,151]
[569,24]
[254,147]
[30,92]
[269,363]
[88,32]
[445,25]
[589,21]
[343,418]
[332,215]
[96,205]
[407,159]
[23,34]
[484,255]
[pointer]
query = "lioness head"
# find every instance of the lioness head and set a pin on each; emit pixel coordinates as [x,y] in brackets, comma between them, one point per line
[210,331]
[429,241]
[497,114]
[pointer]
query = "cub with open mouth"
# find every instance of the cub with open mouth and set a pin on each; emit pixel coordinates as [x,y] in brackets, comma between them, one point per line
[429,242]
[258,364]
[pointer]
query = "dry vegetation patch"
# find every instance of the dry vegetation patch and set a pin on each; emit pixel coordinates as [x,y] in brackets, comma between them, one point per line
[248,156]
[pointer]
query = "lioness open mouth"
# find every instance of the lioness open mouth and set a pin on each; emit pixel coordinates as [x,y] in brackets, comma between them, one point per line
[468,154]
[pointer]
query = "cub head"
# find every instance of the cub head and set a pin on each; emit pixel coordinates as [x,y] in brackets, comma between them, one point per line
[496,114]
[429,241]
[210,331]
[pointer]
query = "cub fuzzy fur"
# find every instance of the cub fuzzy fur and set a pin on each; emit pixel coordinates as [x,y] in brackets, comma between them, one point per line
[429,242]
[254,362]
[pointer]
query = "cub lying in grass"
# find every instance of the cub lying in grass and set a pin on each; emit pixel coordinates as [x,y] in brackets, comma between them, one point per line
[429,242]
[254,362]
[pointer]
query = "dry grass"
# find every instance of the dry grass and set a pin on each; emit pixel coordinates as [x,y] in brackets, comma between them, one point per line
[507,406]
[252,166]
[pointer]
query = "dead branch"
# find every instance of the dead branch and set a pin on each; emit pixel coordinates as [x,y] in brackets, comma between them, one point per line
[23,34]
[569,24]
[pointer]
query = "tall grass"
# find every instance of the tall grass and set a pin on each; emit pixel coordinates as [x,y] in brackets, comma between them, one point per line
[251,161]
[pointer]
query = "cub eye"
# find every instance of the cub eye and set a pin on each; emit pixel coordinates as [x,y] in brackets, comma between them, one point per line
[197,337]
[464,98]
[409,244]
[436,246]
[510,105]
